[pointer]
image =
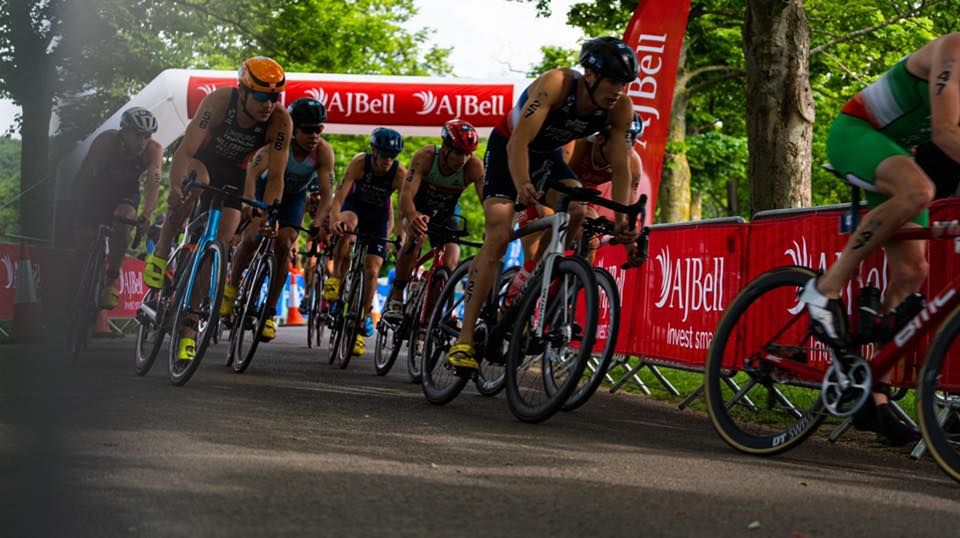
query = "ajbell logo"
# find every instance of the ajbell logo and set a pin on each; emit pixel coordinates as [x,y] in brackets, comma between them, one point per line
[457,106]
[348,103]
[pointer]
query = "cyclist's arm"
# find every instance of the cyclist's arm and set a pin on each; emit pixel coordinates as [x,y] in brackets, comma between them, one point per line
[473,173]
[945,96]
[390,219]
[620,118]
[209,115]
[419,165]
[278,150]
[543,94]
[151,188]
[568,150]
[256,167]
[636,172]
[325,177]
[354,170]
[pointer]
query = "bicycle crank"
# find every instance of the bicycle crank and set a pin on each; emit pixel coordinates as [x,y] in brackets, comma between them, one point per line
[846,385]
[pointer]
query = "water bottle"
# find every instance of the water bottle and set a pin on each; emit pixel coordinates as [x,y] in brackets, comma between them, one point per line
[870,321]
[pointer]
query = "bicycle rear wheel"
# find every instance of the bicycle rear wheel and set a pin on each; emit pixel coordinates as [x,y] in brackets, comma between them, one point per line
[206,312]
[938,397]
[757,407]
[600,356]
[440,382]
[352,318]
[314,323]
[492,377]
[253,314]
[542,371]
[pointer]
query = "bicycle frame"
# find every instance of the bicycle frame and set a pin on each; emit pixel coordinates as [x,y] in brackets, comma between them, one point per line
[908,339]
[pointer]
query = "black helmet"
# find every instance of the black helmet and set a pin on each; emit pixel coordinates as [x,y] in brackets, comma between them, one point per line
[306,111]
[610,58]
[387,141]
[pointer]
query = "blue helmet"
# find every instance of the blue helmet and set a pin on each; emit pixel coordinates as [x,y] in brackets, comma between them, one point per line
[387,141]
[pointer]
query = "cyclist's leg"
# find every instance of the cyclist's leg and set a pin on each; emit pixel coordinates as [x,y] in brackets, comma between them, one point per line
[371,269]
[177,216]
[341,255]
[240,262]
[902,193]
[286,238]
[451,256]
[406,262]
[119,242]
[498,215]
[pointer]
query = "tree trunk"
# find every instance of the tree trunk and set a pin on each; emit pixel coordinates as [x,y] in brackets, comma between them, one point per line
[674,200]
[780,108]
[33,92]
[696,206]
[733,200]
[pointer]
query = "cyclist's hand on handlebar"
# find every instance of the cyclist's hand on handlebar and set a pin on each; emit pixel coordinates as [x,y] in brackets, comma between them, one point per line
[420,223]
[624,235]
[174,196]
[339,227]
[527,194]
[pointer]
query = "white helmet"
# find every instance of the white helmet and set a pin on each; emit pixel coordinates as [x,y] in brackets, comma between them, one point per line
[138,119]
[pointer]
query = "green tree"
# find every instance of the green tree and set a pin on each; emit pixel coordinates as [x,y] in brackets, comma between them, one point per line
[86,57]
[9,184]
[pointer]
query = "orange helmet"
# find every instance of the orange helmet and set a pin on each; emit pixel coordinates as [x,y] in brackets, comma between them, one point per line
[262,74]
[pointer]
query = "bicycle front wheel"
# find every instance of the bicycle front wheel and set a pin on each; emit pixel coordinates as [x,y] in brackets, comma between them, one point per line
[198,314]
[253,314]
[440,382]
[938,397]
[85,308]
[600,356]
[352,318]
[756,406]
[543,370]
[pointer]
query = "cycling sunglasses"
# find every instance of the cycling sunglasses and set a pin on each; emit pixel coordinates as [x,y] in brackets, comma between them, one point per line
[261,97]
[310,129]
[388,154]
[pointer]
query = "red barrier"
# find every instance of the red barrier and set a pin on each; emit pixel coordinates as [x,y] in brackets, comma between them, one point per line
[692,274]
[611,257]
[9,254]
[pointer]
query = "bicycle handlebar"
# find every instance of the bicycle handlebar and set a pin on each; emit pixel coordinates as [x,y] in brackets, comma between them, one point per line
[195,184]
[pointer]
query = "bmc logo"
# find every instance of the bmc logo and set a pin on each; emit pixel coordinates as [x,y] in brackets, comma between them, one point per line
[691,284]
[459,105]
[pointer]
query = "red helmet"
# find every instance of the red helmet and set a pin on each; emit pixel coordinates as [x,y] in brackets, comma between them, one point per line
[460,135]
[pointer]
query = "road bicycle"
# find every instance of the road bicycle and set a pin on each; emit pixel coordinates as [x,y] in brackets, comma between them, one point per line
[549,330]
[769,384]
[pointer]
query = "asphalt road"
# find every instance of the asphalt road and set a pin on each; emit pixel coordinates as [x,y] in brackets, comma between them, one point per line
[295,447]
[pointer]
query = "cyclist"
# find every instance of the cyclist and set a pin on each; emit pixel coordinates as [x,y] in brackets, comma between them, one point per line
[108,185]
[438,176]
[588,160]
[362,205]
[311,158]
[230,125]
[320,235]
[916,101]
[524,155]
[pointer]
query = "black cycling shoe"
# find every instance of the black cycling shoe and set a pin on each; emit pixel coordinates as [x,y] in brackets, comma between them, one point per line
[891,430]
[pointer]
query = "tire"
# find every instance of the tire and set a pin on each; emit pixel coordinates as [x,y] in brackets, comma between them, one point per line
[730,371]
[388,346]
[253,314]
[491,378]
[85,308]
[589,383]
[209,308]
[150,335]
[417,332]
[938,402]
[314,323]
[440,383]
[530,361]
[350,323]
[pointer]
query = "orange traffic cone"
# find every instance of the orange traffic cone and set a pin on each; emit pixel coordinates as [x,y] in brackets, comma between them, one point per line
[26,304]
[102,328]
[293,303]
